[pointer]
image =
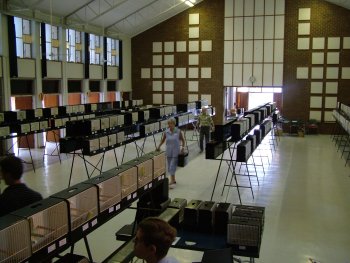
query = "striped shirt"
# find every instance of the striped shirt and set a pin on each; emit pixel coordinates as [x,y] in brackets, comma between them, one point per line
[205,120]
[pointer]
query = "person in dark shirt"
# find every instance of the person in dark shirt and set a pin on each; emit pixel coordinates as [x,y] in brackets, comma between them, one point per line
[17,194]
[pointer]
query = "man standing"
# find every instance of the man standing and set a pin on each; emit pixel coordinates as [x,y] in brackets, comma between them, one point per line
[17,194]
[205,124]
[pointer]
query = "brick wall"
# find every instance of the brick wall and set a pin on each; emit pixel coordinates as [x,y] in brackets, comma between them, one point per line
[211,27]
[327,20]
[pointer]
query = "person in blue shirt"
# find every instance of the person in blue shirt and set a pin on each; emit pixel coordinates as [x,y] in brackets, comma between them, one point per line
[172,136]
[17,194]
[153,239]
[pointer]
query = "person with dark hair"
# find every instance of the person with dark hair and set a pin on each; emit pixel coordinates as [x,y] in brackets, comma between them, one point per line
[175,143]
[17,194]
[153,239]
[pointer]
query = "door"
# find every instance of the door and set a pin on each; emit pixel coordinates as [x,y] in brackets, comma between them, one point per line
[25,103]
[52,100]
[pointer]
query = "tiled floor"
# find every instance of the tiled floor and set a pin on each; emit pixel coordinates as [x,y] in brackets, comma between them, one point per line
[306,192]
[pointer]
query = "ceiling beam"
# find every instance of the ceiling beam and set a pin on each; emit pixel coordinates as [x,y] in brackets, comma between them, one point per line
[108,10]
[78,9]
[135,12]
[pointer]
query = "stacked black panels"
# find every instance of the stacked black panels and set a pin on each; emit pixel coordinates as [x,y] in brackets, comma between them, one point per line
[222,216]
[206,216]
[191,214]
[180,204]
[243,151]
[252,139]
[258,134]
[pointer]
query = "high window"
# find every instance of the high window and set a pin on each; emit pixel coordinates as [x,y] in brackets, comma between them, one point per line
[73,45]
[112,51]
[52,42]
[95,49]
[23,38]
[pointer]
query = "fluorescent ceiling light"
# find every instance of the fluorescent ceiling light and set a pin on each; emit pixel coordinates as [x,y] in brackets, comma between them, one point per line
[189,2]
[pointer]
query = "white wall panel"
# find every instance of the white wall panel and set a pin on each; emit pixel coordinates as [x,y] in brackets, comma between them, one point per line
[268,72]
[315,115]
[156,85]
[247,73]
[259,27]
[26,68]
[228,28]
[268,27]
[279,50]
[192,97]
[317,73]
[345,72]
[157,99]
[331,87]
[248,7]
[248,51]
[303,43]
[157,73]
[238,7]
[332,73]
[169,73]
[269,7]
[0,66]
[193,73]
[238,51]
[268,50]
[259,7]
[54,69]
[228,8]
[278,75]
[317,58]
[193,86]
[258,51]
[228,74]
[96,72]
[169,85]
[316,102]
[237,75]
[112,72]
[168,98]
[316,87]
[330,102]
[280,7]
[76,71]
[238,28]
[228,51]
[279,27]
[248,27]
[258,74]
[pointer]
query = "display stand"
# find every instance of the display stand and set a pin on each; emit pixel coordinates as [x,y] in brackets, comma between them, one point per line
[56,150]
[29,149]
[82,156]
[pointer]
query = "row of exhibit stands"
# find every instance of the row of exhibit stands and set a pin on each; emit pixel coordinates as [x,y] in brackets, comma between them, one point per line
[89,137]
[239,138]
[41,231]
[206,226]
[93,120]
[341,130]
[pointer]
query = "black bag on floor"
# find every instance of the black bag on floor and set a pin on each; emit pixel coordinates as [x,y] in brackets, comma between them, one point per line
[182,159]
